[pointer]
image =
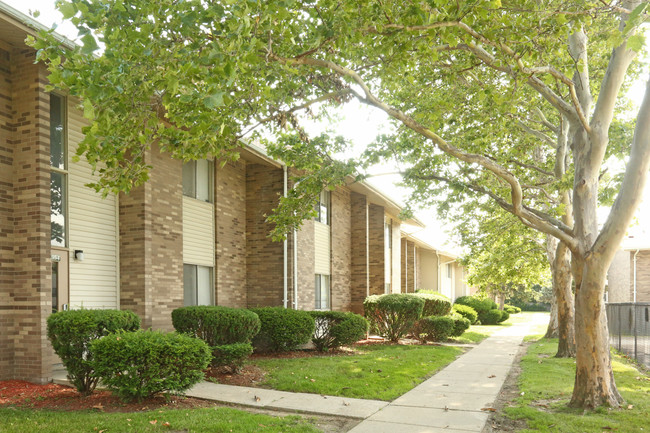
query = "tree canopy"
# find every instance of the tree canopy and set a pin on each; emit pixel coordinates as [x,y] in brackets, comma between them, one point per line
[472,87]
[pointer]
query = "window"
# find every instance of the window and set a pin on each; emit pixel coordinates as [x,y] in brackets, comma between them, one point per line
[388,254]
[198,179]
[197,285]
[323,207]
[322,292]
[58,172]
[449,270]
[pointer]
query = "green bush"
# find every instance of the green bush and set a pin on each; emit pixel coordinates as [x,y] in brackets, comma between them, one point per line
[467,312]
[435,304]
[461,324]
[335,329]
[504,316]
[434,328]
[137,365]
[392,316]
[220,327]
[478,304]
[232,355]
[71,333]
[491,317]
[511,309]
[282,329]
[217,325]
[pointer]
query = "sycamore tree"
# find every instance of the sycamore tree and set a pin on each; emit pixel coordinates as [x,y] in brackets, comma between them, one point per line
[197,76]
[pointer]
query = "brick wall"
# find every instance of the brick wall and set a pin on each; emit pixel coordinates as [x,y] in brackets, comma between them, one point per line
[7,133]
[359,278]
[407,260]
[264,258]
[418,268]
[230,225]
[27,301]
[341,281]
[151,244]
[376,258]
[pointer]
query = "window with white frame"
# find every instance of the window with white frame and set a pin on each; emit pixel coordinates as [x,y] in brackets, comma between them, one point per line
[449,270]
[322,292]
[198,179]
[198,287]
[388,255]
[323,207]
[58,171]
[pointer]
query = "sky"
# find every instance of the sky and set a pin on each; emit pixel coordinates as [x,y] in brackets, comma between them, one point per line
[360,125]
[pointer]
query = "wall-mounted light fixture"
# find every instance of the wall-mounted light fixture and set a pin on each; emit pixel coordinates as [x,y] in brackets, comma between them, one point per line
[79,255]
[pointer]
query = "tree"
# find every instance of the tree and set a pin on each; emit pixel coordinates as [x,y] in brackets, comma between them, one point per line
[195,76]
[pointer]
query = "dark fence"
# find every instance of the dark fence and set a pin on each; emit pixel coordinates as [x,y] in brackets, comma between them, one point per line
[629,329]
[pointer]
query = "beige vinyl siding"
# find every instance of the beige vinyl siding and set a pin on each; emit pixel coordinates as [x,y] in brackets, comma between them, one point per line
[93,228]
[198,232]
[322,248]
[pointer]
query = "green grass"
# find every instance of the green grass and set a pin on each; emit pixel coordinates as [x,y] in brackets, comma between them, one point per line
[195,420]
[547,384]
[379,372]
[478,333]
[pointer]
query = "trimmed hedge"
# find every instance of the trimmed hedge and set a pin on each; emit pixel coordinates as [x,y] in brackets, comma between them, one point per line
[435,304]
[137,365]
[392,316]
[492,317]
[479,305]
[282,329]
[467,312]
[335,329]
[511,309]
[228,331]
[434,328]
[461,324]
[71,333]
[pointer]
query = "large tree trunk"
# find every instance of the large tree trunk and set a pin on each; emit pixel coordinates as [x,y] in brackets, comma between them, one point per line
[552,328]
[594,381]
[564,299]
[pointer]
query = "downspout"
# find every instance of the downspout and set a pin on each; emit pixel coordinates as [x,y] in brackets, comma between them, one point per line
[285,299]
[295,269]
[637,252]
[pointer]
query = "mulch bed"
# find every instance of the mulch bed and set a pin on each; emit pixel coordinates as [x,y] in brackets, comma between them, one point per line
[19,393]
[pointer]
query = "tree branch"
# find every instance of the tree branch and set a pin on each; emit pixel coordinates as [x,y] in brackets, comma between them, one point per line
[536,133]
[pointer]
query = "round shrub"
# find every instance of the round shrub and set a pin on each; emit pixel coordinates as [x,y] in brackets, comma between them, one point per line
[220,327]
[392,316]
[467,312]
[335,329]
[434,328]
[491,317]
[479,305]
[217,325]
[137,365]
[232,356]
[511,309]
[282,329]
[504,316]
[71,333]
[461,324]
[435,304]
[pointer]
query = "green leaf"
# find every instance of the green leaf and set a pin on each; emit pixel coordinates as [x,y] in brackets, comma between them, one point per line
[215,100]
[636,42]
[89,44]
[67,9]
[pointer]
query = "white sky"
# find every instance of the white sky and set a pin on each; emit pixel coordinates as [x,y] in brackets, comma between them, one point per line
[360,124]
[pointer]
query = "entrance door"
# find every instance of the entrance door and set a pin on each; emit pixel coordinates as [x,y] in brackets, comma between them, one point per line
[60,281]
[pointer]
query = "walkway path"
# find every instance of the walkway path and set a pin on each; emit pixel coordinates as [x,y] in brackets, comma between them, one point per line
[450,401]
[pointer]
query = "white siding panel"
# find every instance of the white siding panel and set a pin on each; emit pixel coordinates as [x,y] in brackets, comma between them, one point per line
[198,232]
[322,248]
[92,228]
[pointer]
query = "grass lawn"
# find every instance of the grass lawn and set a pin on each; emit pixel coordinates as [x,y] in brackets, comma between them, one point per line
[547,384]
[194,420]
[378,372]
[478,333]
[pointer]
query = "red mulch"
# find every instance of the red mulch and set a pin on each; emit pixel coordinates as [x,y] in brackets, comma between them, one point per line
[19,393]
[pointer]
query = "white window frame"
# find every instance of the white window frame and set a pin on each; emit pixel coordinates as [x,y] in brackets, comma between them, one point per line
[190,170]
[318,298]
[63,172]
[324,207]
[209,284]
